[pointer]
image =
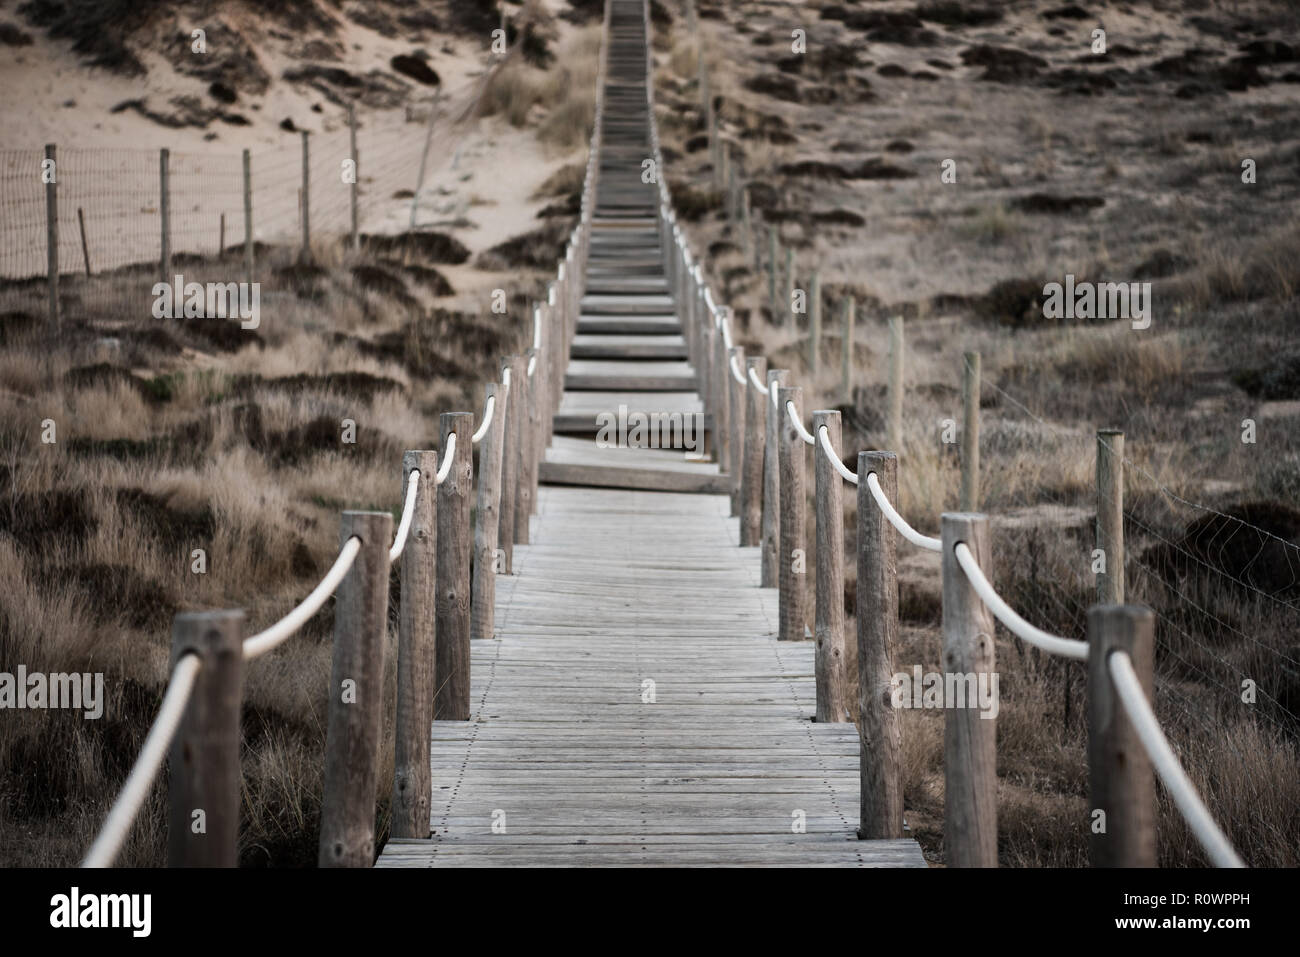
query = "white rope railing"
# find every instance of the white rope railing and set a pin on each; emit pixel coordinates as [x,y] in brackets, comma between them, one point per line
[735,370]
[907,531]
[532,364]
[408,513]
[262,642]
[1180,788]
[122,814]
[753,380]
[448,456]
[1053,644]
[824,438]
[488,408]
[803,433]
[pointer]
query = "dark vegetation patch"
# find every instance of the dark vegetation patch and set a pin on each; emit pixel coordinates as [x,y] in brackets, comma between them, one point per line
[776,85]
[692,204]
[1263,557]
[428,277]
[838,217]
[323,435]
[17,325]
[891,70]
[221,335]
[903,27]
[156,390]
[98,31]
[230,60]
[1017,303]
[48,520]
[952,13]
[113,590]
[1003,64]
[899,146]
[11,36]
[374,278]
[533,46]
[1161,264]
[415,68]
[376,90]
[1057,205]
[1280,379]
[539,249]
[426,246]
[1071,11]
[360,385]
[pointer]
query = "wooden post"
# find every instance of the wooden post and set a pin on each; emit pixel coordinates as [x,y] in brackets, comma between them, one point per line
[828,629]
[880,814]
[356,176]
[751,486]
[514,426]
[771,531]
[248,216]
[534,440]
[736,420]
[771,272]
[970,435]
[525,390]
[895,424]
[846,337]
[1120,781]
[203,785]
[747,227]
[412,774]
[970,814]
[306,200]
[787,311]
[85,249]
[718,376]
[487,519]
[165,212]
[1110,515]
[221,238]
[451,663]
[356,697]
[793,556]
[52,234]
[814,327]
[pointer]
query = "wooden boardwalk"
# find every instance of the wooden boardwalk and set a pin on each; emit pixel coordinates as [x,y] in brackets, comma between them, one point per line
[635,707]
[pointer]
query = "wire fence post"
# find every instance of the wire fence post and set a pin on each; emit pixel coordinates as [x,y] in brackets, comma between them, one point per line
[814,327]
[1110,516]
[895,424]
[736,420]
[793,555]
[451,671]
[306,198]
[203,785]
[52,233]
[511,438]
[771,530]
[487,517]
[846,337]
[356,696]
[248,216]
[751,488]
[165,212]
[828,628]
[1121,784]
[970,436]
[970,813]
[412,773]
[356,175]
[880,758]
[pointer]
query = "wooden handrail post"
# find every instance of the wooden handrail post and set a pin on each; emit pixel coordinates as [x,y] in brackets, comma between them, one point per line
[203,786]
[356,696]
[451,661]
[487,518]
[895,423]
[771,530]
[880,759]
[970,813]
[793,555]
[510,464]
[832,680]
[718,378]
[1121,786]
[1110,515]
[736,420]
[751,486]
[970,435]
[412,774]
[846,337]
[536,438]
[525,390]
[708,350]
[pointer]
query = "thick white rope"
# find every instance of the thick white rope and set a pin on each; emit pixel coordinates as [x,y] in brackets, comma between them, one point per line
[823,436]
[736,373]
[1053,644]
[537,329]
[488,408]
[907,531]
[505,377]
[803,433]
[262,642]
[122,814]
[1129,690]
[753,378]
[448,456]
[532,364]
[408,513]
